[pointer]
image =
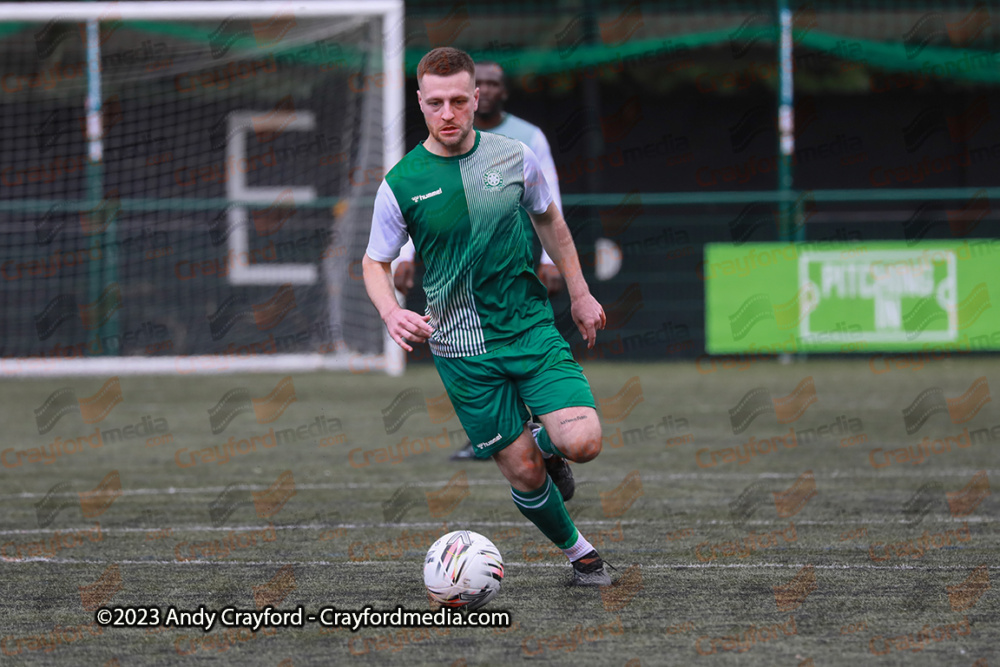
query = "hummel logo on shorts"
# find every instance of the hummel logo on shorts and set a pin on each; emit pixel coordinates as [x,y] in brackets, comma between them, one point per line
[489,442]
[426,196]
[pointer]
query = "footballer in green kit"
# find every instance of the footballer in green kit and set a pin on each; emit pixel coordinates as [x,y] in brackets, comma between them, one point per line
[460,195]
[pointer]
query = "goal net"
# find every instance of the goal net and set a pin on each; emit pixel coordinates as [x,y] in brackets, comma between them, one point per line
[188,187]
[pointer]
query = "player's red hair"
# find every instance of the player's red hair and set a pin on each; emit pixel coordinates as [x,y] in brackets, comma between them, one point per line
[445,61]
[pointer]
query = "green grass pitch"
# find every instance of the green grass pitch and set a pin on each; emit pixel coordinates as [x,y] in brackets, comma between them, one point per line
[830,545]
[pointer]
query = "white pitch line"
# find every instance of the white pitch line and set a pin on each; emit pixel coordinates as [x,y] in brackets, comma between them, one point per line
[170,491]
[780,522]
[653,566]
[352,526]
[646,477]
[471,522]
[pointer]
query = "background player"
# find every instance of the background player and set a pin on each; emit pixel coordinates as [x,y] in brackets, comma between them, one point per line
[461,196]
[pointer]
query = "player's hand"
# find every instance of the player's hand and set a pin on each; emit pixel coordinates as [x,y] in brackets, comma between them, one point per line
[406,326]
[551,278]
[589,317]
[403,277]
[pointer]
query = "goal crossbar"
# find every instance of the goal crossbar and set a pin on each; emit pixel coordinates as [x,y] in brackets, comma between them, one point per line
[137,11]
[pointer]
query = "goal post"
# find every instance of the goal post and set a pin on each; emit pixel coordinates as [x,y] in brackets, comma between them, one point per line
[187,187]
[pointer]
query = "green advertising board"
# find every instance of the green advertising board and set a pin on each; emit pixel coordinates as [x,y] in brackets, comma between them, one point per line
[769,298]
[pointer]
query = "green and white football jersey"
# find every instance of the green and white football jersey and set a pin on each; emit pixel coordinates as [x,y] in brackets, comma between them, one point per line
[465,216]
[531,135]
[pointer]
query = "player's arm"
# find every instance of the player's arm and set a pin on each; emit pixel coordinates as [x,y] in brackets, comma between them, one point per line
[557,240]
[404,326]
[546,270]
[388,235]
[555,236]
[405,269]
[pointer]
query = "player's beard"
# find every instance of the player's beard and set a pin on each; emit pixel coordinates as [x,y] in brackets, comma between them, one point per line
[453,140]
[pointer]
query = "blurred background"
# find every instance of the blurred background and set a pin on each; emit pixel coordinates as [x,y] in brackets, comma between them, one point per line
[672,125]
[669,111]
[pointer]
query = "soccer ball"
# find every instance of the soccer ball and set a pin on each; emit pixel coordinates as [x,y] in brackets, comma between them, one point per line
[463,569]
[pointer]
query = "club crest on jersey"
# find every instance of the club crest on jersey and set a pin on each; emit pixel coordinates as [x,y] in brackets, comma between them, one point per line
[492,180]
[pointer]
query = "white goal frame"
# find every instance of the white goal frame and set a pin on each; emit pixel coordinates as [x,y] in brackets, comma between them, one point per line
[393,358]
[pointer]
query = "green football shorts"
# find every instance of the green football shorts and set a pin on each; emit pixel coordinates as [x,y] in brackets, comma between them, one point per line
[490,391]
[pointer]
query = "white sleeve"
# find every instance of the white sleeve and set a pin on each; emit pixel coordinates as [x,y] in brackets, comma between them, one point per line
[544,154]
[536,197]
[407,252]
[540,145]
[388,227]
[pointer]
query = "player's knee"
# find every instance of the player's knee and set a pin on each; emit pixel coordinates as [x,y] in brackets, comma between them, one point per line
[585,447]
[531,475]
[588,449]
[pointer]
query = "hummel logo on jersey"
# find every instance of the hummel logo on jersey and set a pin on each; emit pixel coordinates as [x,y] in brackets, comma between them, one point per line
[426,196]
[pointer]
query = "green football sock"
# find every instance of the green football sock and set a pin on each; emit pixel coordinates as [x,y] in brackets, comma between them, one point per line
[544,507]
[545,443]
